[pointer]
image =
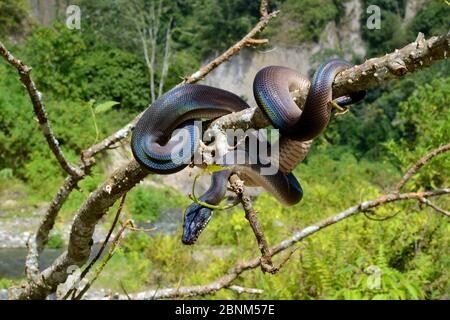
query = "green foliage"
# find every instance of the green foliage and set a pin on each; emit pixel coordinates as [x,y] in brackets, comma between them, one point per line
[312,16]
[425,121]
[391,34]
[432,20]
[113,75]
[14,16]
[54,53]
[6,283]
[105,106]
[304,21]
[217,24]
[66,67]
[146,203]
[55,241]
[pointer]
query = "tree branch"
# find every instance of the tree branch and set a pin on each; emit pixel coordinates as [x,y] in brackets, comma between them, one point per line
[415,56]
[39,110]
[237,185]
[419,164]
[83,227]
[247,40]
[435,207]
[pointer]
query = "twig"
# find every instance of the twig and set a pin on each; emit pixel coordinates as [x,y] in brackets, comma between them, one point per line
[435,207]
[263,8]
[195,199]
[106,259]
[240,290]
[248,39]
[266,259]
[419,164]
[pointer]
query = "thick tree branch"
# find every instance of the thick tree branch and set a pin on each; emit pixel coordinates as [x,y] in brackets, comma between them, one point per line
[83,227]
[415,56]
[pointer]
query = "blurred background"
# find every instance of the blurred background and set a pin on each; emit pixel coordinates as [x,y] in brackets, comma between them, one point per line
[127,53]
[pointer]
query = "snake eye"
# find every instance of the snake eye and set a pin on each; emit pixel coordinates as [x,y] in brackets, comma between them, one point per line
[195,220]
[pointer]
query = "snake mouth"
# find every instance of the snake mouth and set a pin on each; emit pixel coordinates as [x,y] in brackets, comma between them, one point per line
[196,219]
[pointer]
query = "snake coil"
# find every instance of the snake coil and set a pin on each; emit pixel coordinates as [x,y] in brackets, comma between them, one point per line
[166,136]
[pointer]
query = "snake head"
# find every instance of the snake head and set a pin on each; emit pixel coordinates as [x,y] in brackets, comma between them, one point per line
[195,220]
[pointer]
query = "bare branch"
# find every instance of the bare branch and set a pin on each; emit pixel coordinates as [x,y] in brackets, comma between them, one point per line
[435,207]
[248,39]
[240,289]
[107,257]
[237,185]
[419,164]
[110,140]
[416,55]
[39,110]
[105,242]
[263,8]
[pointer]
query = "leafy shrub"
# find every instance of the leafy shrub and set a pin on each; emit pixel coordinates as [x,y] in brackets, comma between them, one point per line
[304,21]
[146,203]
[14,17]
[432,20]
[66,67]
[55,241]
[425,119]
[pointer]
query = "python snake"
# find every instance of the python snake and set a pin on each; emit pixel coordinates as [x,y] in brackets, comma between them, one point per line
[161,148]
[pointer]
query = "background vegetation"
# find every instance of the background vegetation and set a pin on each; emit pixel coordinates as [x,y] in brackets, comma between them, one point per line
[359,157]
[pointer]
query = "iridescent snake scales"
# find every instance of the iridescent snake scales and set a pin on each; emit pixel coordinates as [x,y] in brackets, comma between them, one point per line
[166,136]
